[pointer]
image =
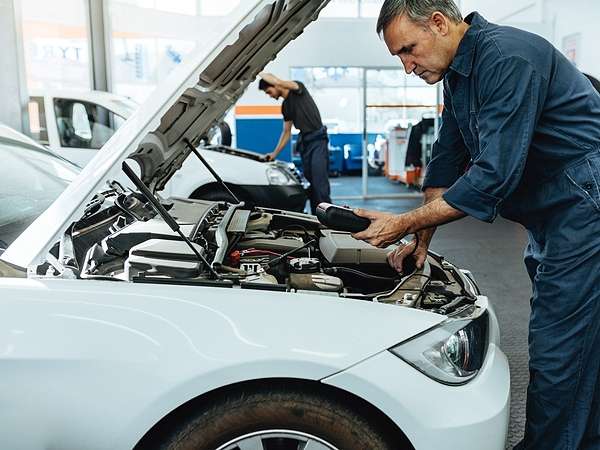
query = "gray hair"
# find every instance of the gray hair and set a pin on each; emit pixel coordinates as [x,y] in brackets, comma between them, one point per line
[416,10]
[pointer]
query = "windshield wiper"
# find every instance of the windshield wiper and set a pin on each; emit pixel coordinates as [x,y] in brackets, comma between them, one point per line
[160,209]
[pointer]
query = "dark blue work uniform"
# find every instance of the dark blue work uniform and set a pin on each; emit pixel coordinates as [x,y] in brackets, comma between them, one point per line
[520,137]
[312,144]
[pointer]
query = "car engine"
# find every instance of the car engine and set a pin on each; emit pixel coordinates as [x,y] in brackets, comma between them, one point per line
[122,238]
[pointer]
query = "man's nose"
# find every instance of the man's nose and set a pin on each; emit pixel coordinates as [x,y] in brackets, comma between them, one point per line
[409,65]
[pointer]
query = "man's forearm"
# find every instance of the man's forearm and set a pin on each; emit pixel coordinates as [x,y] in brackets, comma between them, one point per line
[426,235]
[283,140]
[434,212]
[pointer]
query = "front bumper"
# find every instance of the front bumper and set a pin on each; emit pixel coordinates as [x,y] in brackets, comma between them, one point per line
[473,416]
[286,197]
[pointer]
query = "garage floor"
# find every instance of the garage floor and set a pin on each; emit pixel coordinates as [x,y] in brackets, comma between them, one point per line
[494,254]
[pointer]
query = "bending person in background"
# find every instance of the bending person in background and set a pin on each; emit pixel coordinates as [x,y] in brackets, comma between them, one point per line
[299,109]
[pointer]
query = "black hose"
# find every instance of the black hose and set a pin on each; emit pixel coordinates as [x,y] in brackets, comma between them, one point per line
[336,270]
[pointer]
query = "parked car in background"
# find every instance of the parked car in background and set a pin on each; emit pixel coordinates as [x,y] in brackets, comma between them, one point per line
[76,125]
[130,320]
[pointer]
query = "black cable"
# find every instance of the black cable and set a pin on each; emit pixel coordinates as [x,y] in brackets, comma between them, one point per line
[273,262]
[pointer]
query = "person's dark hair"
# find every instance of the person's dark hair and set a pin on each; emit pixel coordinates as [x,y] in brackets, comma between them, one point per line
[263,85]
[595,82]
[419,11]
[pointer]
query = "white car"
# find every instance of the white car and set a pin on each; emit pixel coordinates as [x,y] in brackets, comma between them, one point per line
[134,321]
[77,124]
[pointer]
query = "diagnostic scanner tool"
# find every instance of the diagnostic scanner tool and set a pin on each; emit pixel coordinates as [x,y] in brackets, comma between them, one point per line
[342,219]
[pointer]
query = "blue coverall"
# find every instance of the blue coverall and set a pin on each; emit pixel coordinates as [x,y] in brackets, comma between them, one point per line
[520,136]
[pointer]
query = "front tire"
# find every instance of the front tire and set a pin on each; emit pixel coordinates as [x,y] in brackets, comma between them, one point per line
[278,419]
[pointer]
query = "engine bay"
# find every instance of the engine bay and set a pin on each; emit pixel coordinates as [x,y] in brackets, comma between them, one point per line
[122,238]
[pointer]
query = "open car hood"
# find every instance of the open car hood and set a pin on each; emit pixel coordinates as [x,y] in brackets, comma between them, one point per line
[184,107]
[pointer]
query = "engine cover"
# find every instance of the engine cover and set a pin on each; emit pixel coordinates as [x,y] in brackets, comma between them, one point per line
[163,257]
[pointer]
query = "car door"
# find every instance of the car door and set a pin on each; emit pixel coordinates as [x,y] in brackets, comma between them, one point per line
[83,128]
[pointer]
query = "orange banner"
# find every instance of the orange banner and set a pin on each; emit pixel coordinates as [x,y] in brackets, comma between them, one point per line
[258,110]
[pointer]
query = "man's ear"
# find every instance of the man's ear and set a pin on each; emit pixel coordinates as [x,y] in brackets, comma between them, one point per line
[439,23]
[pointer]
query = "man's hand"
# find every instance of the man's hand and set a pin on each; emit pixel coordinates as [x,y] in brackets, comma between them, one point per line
[269,78]
[385,229]
[270,156]
[396,257]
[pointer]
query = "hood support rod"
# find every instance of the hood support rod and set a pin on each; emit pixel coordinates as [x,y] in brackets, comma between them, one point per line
[210,169]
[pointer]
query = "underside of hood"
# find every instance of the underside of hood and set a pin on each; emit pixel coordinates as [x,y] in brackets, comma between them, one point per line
[162,152]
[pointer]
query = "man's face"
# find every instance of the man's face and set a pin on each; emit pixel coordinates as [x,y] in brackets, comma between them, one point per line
[422,48]
[273,92]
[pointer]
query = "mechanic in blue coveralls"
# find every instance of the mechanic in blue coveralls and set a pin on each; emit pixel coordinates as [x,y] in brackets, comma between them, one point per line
[520,137]
[299,109]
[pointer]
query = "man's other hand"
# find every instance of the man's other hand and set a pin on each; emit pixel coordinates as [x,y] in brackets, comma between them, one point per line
[396,257]
[385,228]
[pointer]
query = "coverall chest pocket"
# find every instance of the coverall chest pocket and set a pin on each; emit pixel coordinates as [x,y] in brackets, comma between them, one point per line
[585,175]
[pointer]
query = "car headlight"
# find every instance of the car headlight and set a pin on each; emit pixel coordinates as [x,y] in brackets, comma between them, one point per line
[451,353]
[275,175]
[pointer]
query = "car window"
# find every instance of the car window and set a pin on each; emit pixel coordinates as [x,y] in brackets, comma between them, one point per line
[30,180]
[37,120]
[83,124]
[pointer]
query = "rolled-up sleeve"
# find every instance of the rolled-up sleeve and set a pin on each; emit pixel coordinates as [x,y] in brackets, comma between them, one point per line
[449,155]
[511,101]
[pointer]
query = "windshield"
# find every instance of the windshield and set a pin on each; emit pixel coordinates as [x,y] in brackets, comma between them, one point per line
[30,180]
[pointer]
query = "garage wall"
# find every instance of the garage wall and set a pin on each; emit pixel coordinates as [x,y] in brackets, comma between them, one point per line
[515,11]
[581,17]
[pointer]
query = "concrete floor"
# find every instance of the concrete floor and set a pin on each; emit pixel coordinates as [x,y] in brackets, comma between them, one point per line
[494,254]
